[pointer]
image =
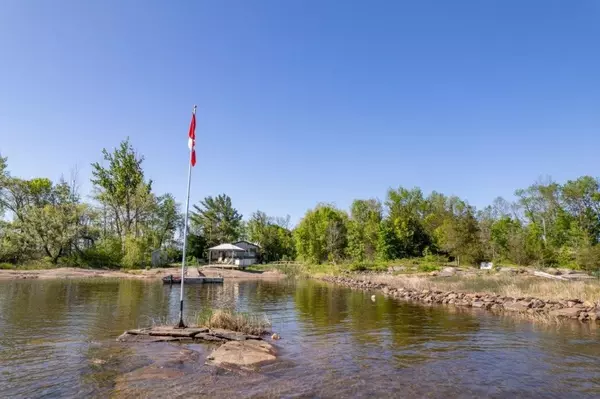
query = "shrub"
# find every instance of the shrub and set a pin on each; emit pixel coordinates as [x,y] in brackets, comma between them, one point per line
[427,267]
[107,253]
[135,253]
[589,259]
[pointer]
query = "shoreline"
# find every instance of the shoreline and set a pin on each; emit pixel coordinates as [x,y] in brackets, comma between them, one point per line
[140,274]
[546,310]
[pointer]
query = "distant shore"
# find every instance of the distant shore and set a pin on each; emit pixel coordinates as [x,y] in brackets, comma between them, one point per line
[154,273]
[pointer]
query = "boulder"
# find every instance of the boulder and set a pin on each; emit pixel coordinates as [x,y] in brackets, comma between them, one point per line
[447,272]
[246,355]
[588,304]
[515,306]
[396,268]
[537,304]
[570,313]
[507,270]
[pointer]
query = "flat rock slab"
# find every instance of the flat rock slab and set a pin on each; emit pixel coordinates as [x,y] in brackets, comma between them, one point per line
[168,333]
[126,337]
[247,355]
[176,332]
[231,335]
[566,312]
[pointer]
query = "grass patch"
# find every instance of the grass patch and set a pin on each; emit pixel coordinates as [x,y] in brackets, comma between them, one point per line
[425,264]
[31,265]
[428,267]
[235,321]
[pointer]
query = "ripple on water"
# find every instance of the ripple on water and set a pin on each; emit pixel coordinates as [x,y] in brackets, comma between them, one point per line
[57,339]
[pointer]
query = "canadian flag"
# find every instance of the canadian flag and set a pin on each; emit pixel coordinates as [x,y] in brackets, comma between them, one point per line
[192,139]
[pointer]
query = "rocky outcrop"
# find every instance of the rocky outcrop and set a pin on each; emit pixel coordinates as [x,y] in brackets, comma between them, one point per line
[560,309]
[239,350]
[246,355]
[168,333]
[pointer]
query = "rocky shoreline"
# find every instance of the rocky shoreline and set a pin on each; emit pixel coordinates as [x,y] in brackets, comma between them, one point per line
[574,309]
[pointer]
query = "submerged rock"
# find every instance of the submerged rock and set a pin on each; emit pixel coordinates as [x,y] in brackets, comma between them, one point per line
[246,355]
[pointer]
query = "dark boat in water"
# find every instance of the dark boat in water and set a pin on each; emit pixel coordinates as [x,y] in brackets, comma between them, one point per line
[170,279]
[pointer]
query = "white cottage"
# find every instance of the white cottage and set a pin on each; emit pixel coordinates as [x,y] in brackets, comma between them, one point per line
[241,254]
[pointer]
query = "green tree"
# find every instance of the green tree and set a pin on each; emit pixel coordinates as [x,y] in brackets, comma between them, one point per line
[582,201]
[459,235]
[406,211]
[322,234]
[47,217]
[276,242]
[363,229]
[122,191]
[166,219]
[387,242]
[217,220]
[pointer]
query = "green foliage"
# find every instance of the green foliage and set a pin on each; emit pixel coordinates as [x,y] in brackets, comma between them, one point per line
[406,210]
[428,267]
[196,246]
[363,229]
[6,266]
[217,220]
[322,235]
[588,258]
[126,197]
[107,253]
[44,221]
[276,241]
[388,245]
[164,221]
[135,253]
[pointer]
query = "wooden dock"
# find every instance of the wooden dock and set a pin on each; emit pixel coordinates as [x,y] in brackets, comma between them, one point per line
[192,280]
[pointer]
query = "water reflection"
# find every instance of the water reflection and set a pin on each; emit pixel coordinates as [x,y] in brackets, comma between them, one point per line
[57,339]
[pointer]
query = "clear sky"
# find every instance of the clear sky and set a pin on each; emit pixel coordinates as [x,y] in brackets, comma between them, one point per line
[305,101]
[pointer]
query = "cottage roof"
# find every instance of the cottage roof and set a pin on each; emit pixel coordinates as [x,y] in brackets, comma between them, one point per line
[227,247]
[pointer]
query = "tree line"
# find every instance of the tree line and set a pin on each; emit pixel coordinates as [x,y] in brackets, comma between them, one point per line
[548,224]
[125,221]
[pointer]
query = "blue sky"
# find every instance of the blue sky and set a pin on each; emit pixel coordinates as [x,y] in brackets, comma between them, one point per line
[305,101]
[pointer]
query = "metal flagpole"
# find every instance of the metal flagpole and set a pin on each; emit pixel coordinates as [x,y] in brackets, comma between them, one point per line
[185,227]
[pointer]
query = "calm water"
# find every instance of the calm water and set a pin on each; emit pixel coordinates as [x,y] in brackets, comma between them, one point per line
[57,339]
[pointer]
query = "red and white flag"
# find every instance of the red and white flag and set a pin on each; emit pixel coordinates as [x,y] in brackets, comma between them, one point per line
[192,139]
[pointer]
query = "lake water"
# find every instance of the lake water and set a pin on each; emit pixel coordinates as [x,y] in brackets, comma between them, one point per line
[57,339]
